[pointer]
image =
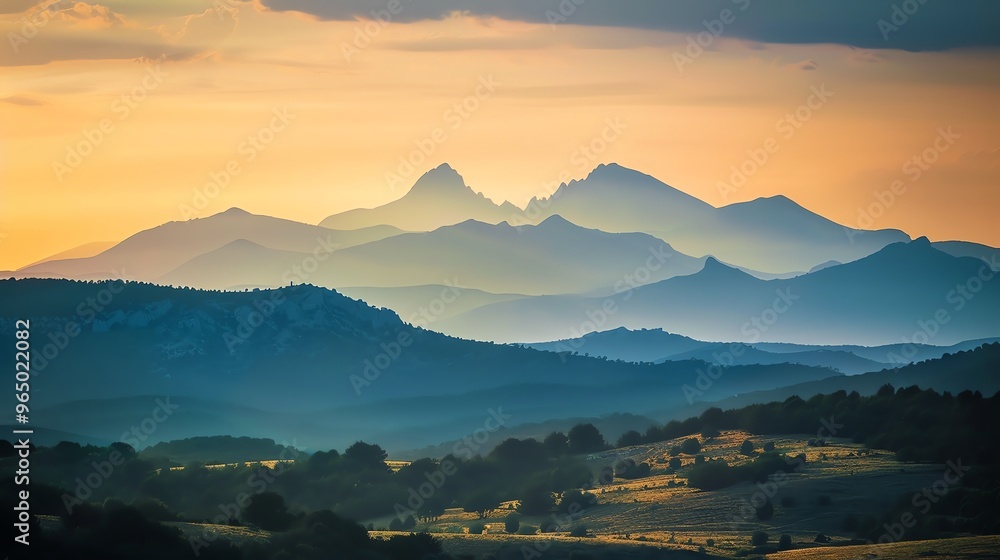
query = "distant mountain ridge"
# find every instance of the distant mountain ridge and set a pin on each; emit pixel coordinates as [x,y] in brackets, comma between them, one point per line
[439,198]
[891,296]
[306,359]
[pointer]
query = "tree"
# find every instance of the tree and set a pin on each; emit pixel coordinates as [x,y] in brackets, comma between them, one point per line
[482,503]
[536,499]
[361,456]
[586,438]
[630,470]
[521,454]
[512,522]
[578,531]
[629,438]
[267,510]
[768,446]
[573,502]
[746,448]
[557,443]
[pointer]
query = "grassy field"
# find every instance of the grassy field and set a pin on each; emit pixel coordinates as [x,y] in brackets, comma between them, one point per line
[967,548]
[837,480]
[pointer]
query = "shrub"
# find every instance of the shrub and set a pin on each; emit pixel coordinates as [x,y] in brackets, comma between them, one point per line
[153,509]
[710,542]
[578,531]
[746,448]
[785,542]
[691,446]
[768,446]
[631,471]
[758,538]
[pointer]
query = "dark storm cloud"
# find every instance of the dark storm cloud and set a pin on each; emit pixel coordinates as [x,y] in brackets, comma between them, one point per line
[915,25]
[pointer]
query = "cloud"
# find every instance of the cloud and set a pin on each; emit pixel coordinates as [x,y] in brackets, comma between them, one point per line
[22,100]
[805,65]
[931,26]
[65,30]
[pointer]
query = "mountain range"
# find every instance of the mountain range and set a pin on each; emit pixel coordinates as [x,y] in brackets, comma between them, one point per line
[906,292]
[616,249]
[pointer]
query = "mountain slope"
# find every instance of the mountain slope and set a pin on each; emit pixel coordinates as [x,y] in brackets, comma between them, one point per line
[768,234]
[326,360]
[906,292]
[552,257]
[152,253]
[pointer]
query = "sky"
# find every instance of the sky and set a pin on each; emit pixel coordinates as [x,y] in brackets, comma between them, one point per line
[119,116]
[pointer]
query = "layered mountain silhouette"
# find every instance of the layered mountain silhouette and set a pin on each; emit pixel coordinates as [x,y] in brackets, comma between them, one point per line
[771,234]
[325,359]
[439,198]
[151,254]
[554,256]
[904,292]
[657,345]
[768,234]
[600,253]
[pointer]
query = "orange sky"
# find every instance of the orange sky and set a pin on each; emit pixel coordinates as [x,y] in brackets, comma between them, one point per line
[228,70]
